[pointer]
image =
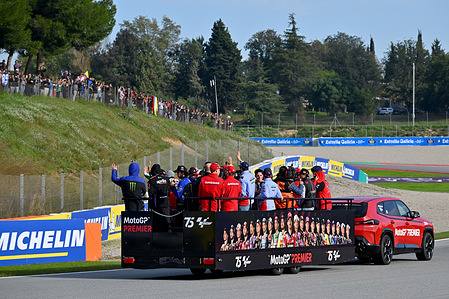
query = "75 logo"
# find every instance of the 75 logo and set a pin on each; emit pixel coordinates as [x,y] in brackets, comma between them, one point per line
[190,222]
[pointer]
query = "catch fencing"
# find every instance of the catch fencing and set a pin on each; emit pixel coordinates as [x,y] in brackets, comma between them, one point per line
[26,195]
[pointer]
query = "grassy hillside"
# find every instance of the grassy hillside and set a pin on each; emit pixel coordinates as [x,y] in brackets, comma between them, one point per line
[47,135]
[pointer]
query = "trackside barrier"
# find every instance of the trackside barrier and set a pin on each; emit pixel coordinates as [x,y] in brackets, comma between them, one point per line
[330,167]
[362,141]
[48,241]
[109,218]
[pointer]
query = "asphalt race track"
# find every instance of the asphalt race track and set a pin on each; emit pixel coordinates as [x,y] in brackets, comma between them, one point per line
[405,277]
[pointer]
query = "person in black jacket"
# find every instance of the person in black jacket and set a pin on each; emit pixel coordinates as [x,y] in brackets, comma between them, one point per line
[133,187]
[159,190]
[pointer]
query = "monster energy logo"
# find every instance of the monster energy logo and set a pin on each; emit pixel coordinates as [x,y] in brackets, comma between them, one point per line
[132,186]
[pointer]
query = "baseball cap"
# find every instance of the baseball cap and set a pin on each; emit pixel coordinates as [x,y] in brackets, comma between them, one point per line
[307,219]
[267,173]
[289,215]
[170,174]
[296,218]
[181,168]
[244,165]
[193,171]
[316,168]
[230,169]
[304,171]
[214,166]
[264,220]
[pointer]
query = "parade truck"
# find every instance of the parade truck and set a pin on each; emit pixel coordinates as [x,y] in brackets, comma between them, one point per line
[276,240]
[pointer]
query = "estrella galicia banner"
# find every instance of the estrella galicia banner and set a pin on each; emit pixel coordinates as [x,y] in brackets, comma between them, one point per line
[384,141]
[284,141]
[45,241]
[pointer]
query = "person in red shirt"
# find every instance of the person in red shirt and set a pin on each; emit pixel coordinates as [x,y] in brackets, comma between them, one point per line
[211,186]
[232,189]
[322,188]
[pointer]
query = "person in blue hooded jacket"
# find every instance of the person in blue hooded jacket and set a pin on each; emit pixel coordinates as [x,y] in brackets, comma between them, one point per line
[133,187]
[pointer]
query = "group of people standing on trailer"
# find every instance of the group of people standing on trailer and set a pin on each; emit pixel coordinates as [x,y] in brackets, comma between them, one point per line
[293,231]
[217,188]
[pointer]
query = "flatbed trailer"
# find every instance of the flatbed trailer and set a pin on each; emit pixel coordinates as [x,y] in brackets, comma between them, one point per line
[199,242]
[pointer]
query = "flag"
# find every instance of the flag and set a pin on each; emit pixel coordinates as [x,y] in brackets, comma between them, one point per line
[86,75]
[155,105]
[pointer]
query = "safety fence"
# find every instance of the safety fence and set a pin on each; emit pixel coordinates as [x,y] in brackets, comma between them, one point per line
[43,194]
[113,95]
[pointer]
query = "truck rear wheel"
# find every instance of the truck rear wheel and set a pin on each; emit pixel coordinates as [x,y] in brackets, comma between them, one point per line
[294,270]
[277,271]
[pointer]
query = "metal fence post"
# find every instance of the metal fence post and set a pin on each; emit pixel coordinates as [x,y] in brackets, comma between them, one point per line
[22,194]
[260,158]
[171,158]
[207,150]
[196,154]
[182,153]
[248,154]
[219,145]
[81,190]
[238,145]
[100,187]
[158,157]
[271,152]
[62,191]
[43,194]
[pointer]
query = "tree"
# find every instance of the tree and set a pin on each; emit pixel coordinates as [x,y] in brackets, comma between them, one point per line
[436,92]
[329,93]
[14,36]
[187,83]
[59,25]
[223,60]
[294,69]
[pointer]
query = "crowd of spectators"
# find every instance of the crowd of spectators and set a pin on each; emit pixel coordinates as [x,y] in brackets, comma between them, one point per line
[83,86]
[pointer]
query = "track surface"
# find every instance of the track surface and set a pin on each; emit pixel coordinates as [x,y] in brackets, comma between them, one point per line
[405,277]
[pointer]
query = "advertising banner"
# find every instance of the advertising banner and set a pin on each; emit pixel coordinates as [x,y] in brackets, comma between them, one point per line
[45,241]
[100,215]
[307,162]
[259,239]
[384,141]
[335,168]
[285,141]
[323,163]
[275,165]
[115,223]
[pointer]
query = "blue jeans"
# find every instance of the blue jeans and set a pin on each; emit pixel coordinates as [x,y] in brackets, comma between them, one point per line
[244,208]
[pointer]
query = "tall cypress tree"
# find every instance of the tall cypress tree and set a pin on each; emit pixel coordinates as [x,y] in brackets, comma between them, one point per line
[223,60]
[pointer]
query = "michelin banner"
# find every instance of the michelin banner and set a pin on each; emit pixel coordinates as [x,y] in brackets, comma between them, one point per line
[45,241]
[330,167]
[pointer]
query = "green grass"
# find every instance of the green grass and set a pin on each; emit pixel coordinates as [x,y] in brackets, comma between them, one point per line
[422,187]
[43,135]
[442,235]
[36,269]
[402,174]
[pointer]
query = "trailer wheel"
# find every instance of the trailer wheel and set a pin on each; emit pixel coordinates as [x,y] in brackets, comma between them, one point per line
[197,271]
[294,270]
[277,271]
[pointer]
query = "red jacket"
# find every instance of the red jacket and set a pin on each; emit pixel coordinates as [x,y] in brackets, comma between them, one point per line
[323,191]
[232,188]
[210,186]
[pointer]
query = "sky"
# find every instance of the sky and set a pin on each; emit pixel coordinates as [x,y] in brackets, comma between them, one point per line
[385,20]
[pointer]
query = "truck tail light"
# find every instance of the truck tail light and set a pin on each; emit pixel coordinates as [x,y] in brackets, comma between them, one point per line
[208,261]
[368,222]
[128,260]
